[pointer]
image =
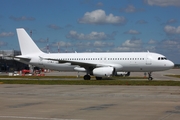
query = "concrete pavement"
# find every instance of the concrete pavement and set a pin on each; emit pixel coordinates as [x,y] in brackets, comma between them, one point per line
[58,102]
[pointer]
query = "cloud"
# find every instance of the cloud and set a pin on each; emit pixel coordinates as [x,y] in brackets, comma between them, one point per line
[84,44]
[132,43]
[163,3]
[169,43]
[150,48]
[170,46]
[151,41]
[63,44]
[132,32]
[6,34]
[42,40]
[53,26]
[170,30]
[126,49]
[81,46]
[99,17]
[103,44]
[2,43]
[141,22]
[22,18]
[92,36]
[99,4]
[60,46]
[93,46]
[99,50]
[131,9]
[151,45]
[68,26]
[171,21]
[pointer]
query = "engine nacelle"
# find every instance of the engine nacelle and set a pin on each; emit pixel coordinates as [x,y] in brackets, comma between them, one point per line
[80,69]
[103,71]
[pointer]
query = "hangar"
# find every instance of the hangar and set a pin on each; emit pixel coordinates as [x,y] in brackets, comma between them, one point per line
[8,64]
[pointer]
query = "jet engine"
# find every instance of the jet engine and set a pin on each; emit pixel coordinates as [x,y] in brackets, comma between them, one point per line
[103,71]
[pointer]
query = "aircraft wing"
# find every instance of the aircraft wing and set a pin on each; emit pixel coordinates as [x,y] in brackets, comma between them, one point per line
[81,63]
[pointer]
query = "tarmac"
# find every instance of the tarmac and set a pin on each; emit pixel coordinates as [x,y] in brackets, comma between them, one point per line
[90,102]
[161,75]
[72,102]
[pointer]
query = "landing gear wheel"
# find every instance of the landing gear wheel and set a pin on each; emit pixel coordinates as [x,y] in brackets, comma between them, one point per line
[149,76]
[98,78]
[87,77]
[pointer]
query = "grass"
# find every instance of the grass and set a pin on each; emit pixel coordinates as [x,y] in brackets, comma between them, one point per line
[61,80]
[178,76]
[93,82]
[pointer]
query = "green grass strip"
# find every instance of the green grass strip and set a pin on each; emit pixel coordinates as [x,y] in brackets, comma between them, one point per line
[93,82]
[177,76]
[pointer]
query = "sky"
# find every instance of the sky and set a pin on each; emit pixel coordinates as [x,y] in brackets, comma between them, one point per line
[94,25]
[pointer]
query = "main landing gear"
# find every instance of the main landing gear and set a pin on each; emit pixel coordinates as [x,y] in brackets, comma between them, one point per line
[149,76]
[87,77]
[98,78]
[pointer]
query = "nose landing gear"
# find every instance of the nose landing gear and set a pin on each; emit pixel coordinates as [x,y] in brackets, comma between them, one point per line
[149,76]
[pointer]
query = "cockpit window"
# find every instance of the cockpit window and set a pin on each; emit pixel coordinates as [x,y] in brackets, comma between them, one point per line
[162,58]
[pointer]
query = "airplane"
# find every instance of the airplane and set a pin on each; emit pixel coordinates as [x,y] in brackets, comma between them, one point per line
[103,64]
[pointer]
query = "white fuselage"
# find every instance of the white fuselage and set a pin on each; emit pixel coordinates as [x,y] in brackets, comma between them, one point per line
[125,61]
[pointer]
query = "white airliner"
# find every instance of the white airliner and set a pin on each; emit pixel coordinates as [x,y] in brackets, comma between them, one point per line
[97,64]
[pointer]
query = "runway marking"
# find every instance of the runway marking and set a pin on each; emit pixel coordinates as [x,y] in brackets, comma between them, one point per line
[35,118]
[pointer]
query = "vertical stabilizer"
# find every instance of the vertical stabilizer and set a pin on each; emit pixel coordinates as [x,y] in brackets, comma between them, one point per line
[26,44]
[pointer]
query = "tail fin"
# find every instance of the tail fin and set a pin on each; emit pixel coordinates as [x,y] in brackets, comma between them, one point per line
[26,44]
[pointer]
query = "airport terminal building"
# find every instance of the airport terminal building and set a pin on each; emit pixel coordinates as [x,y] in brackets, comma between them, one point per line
[7,62]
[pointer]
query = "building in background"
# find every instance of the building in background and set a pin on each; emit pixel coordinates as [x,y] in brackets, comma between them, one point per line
[8,64]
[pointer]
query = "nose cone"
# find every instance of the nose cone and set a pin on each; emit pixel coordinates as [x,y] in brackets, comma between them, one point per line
[170,64]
